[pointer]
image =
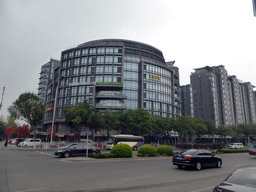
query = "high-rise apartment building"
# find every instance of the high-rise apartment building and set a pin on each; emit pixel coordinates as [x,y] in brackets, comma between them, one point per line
[221,98]
[45,78]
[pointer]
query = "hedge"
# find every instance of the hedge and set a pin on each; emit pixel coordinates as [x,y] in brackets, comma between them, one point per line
[146,151]
[233,150]
[164,150]
[121,150]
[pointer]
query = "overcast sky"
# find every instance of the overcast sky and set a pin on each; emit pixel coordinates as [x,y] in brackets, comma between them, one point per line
[194,33]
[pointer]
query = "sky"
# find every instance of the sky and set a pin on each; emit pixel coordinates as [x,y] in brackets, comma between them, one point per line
[194,33]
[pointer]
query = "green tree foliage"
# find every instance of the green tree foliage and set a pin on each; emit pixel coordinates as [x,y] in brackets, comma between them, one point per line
[2,127]
[127,123]
[143,121]
[28,108]
[77,115]
[96,121]
[111,120]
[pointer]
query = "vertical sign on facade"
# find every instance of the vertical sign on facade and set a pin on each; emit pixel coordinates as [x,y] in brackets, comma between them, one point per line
[254,7]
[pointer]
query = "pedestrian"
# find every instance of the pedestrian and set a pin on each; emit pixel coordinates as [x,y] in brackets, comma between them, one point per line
[6,143]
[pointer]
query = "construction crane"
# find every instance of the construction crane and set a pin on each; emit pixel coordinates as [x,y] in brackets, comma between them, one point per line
[1,104]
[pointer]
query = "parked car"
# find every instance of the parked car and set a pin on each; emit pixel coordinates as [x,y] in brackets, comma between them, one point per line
[241,180]
[29,143]
[76,150]
[196,158]
[236,146]
[85,141]
[12,141]
[18,140]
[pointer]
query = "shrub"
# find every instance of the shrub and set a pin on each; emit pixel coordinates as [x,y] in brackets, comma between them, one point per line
[147,151]
[233,150]
[121,150]
[101,155]
[164,150]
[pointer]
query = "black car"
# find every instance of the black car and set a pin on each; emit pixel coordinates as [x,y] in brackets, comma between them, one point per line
[76,149]
[242,180]
[196,158]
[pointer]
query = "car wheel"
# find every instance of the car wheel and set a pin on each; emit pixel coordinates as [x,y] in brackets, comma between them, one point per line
[218,164]
[198,166]
[180,166]
[135,148]
[67,155]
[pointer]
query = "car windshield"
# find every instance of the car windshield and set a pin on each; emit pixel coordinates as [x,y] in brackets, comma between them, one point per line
[246,177]
[189,152]
[71,145]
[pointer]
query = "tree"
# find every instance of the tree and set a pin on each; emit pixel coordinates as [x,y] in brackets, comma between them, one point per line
[78,115]
[183,126]
[29,109]
[143,121]
[211,129]
[127,123]
[111,120]
[2,127]
[96,122]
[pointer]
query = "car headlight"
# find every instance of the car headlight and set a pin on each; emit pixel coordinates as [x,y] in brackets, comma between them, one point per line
[59,151]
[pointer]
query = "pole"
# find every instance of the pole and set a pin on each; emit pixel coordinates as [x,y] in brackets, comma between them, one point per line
[54,110]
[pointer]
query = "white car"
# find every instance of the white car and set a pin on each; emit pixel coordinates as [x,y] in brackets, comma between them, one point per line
[30,143]
[236,146]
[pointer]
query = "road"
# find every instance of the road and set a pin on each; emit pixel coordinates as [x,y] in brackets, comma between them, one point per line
[33,171]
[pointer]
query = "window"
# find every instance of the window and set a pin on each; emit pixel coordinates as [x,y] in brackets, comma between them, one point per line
[84,51]
[92,51]
[117,59]
[75,71]
[99,78]
[70,54]
[82,79]
[61,92]
[74,91]
[65,55]
[99,69]
[73,101]
[75,80]
[76,63]
[82,71]
[108,69]
[67,92]
[80,99]
[101,50]
[63,73]
[77,53]
[100,60]
[84,61]
[69,63]
[109,50]
[116,79]
[92,60]
[64,64]
[107,78]
[62,82]
[60,102]
[81,90]
[109,60]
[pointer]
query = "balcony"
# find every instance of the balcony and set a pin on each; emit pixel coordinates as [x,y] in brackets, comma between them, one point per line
[110,106]
[111,96]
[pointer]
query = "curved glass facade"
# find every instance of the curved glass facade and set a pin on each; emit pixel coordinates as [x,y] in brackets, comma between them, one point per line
[117,74]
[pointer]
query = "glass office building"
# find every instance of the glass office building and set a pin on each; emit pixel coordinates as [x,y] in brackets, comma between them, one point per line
[117,74]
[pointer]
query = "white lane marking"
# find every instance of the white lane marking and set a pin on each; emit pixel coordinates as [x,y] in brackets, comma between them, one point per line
[203,189]
[139,178]
[31,190]
[46,154]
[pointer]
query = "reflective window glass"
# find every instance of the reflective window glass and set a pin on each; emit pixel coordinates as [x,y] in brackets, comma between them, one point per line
[101,50]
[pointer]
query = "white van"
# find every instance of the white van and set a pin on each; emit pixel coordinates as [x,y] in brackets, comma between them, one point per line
[30,143]
[236,146]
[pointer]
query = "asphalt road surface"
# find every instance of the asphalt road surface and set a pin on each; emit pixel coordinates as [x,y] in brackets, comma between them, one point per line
[35,171]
